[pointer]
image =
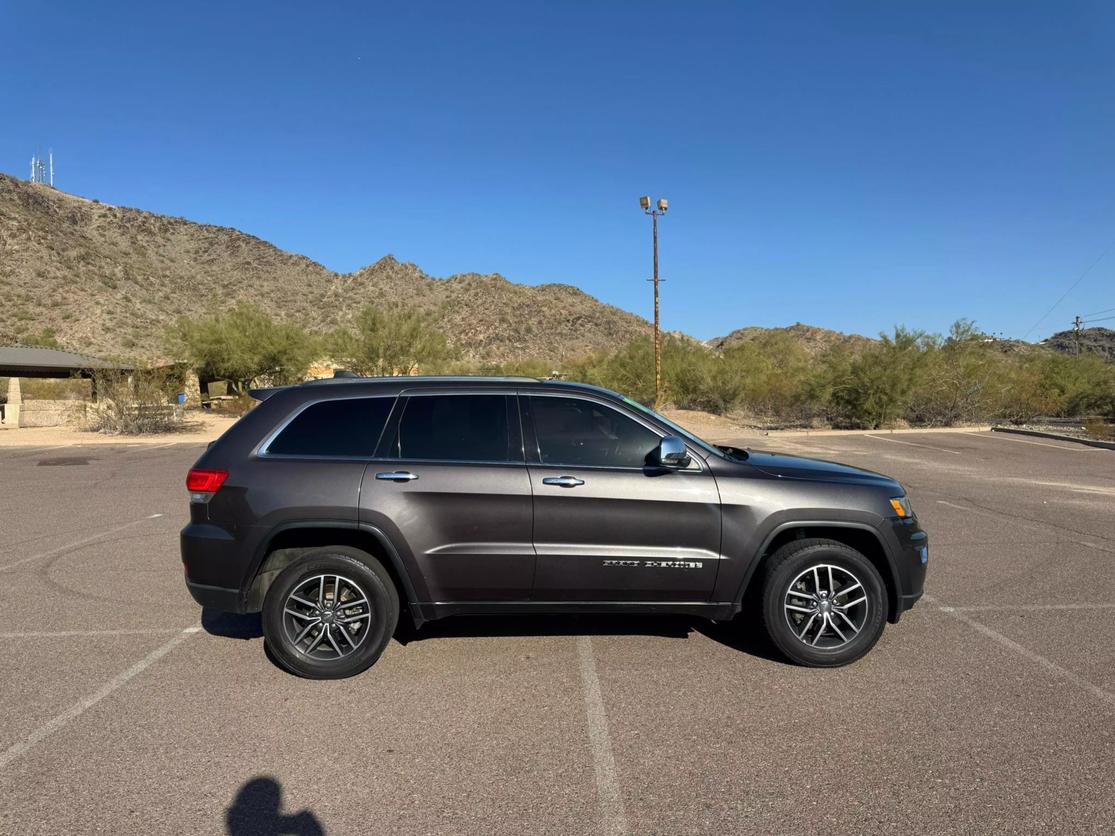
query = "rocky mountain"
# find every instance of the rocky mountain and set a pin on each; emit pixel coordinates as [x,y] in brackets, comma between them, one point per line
[1096,340]
[816,340]
[109,280]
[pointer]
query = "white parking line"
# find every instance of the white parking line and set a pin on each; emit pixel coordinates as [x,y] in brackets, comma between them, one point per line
[45,634]
[146,448]
[1055,669]
[604,764]
[81,706]
[1028,607]
[912,444]
[92,538]
[1080,449]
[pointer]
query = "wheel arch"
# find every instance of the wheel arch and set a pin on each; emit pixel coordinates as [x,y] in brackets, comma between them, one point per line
[862,537]
[290,541]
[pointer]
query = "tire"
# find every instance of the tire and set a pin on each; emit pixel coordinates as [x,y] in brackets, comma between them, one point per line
[344,640]
[793,593]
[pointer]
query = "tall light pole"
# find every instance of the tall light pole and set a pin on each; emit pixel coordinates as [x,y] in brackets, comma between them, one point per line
[660,207]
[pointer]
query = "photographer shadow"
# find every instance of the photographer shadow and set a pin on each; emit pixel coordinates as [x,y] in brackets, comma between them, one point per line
[257,811]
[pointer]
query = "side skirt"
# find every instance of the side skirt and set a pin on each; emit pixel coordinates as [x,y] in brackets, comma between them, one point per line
[717,611]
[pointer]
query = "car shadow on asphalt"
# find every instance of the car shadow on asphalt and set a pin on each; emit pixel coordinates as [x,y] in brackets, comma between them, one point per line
[231,625]
[740,634]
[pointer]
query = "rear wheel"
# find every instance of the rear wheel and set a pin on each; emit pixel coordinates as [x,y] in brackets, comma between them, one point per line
[824,603]
[330,613]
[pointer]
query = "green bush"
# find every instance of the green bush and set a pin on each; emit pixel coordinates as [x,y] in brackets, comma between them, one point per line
[244,345]
[389,343]
[906,378]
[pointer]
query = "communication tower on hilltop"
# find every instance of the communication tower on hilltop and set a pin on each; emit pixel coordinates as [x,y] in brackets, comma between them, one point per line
[42,171]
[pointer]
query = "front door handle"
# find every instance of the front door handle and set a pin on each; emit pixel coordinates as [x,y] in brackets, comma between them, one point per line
[397,476]
[563,481]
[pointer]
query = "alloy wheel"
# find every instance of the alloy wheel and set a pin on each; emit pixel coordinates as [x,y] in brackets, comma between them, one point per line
[826,606]
[327,617]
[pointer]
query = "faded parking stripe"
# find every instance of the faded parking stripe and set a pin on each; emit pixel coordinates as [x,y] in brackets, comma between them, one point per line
[80,707]
[604,764]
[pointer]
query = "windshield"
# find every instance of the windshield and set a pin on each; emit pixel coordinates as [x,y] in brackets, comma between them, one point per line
[681,431]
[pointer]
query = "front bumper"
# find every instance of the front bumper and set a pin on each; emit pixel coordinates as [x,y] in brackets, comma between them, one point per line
[912,559]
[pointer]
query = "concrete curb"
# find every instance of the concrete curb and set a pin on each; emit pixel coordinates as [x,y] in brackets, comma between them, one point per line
[982,428]
[1106,445]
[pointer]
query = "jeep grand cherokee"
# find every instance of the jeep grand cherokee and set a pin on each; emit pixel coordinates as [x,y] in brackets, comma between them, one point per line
[334,503]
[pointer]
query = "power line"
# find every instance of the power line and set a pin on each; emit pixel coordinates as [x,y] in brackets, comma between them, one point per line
[1101,319]
[1079,279]
[1097,313]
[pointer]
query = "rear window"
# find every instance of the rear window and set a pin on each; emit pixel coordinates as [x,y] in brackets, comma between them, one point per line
[349,427]
[471,428]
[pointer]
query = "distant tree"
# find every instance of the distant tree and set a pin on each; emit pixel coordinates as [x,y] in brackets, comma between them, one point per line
[957,377]
[389,343]
[881,382]
[242,346]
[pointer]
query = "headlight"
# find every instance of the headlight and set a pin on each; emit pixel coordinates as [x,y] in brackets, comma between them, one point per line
[901,506]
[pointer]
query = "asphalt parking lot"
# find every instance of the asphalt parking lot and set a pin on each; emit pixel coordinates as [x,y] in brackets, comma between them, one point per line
[989,708]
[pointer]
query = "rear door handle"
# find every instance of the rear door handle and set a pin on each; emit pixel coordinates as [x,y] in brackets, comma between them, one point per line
[563,481]
[397,476]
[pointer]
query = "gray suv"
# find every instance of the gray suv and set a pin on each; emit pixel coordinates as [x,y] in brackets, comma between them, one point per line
[334,503]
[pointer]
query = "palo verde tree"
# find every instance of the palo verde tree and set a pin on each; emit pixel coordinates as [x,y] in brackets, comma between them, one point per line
[389,343]
[242,346]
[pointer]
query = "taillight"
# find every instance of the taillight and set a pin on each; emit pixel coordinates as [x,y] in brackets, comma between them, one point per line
[205,481]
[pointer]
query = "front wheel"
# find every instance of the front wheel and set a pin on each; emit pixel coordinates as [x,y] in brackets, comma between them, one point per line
[824,603]
[330,613]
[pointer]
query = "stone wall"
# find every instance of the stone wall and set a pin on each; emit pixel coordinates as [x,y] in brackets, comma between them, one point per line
[51,413]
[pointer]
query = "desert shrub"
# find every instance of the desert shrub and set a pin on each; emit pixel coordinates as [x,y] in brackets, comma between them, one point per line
[1099,428]
[1077,386]
[49,389]
[43,339]
[243,346]
[389,343]
[880,383]
[770,377]
[134,404]
[956,380]
[237,405]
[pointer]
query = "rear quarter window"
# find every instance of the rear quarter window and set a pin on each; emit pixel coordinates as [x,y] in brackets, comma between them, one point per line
[348,427]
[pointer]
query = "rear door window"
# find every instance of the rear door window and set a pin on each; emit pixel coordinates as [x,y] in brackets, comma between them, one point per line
[464,428]
[344,427]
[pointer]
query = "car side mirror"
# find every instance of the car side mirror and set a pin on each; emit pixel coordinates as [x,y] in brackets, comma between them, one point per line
[672,453]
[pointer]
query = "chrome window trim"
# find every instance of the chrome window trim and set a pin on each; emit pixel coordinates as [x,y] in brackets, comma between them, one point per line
[695,465]
[452,462]
[262,450]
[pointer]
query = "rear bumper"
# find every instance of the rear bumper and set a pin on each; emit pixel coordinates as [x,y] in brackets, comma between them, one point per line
[216,597]
[215,567]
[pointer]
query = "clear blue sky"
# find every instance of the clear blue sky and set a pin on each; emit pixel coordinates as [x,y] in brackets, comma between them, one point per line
[850,165]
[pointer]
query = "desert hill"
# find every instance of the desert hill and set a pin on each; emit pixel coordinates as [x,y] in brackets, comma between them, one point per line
[815,340]
[109,280]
